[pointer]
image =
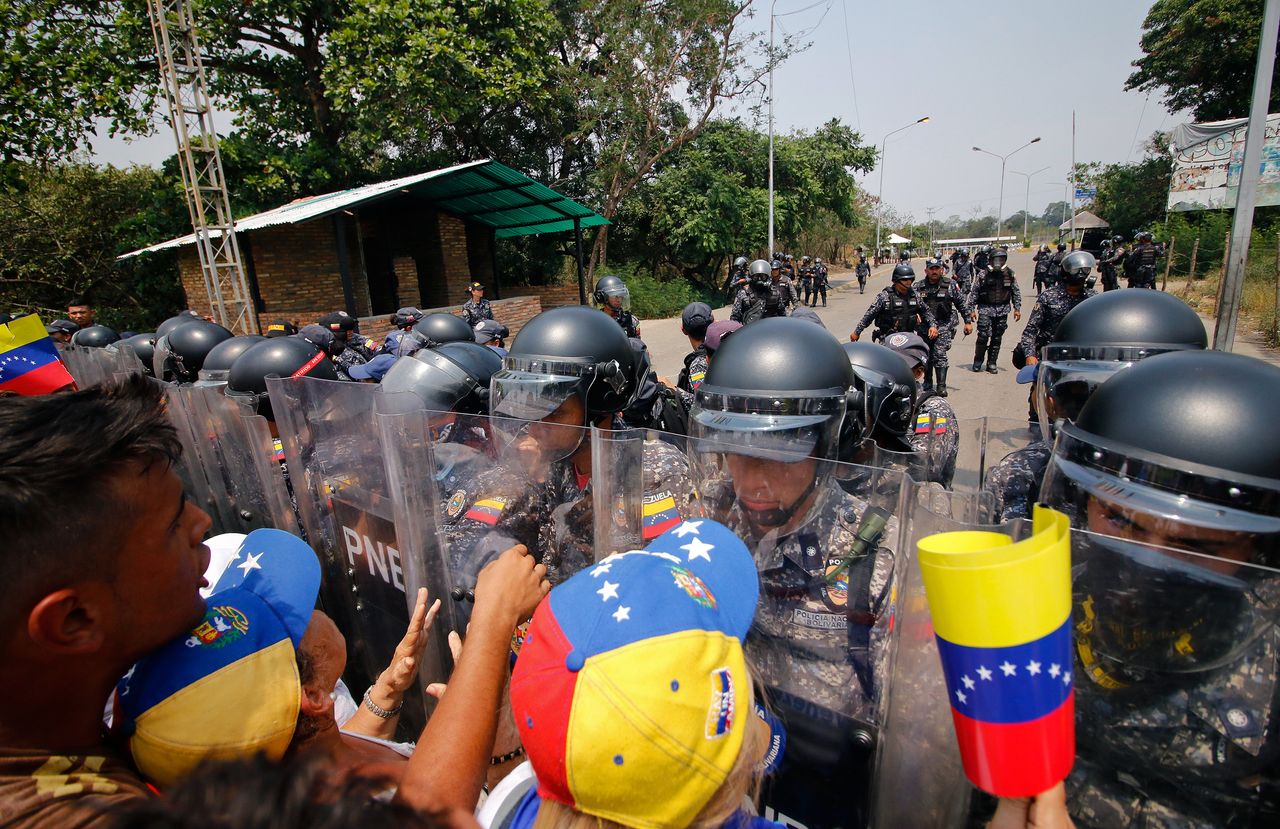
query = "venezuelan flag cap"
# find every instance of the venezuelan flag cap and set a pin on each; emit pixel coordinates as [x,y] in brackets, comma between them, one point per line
[631,692]
[230,688]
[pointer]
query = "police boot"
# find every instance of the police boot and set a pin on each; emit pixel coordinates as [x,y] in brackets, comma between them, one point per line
[979,352]
[942,380]
[992,355]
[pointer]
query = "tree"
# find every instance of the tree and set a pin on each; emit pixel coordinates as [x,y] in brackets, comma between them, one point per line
[1200,55]
[62,226]
[1056,213]
[1132,197]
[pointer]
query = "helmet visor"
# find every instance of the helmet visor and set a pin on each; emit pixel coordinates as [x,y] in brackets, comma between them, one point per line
[618,298]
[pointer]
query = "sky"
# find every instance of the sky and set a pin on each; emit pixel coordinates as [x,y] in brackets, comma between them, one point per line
[992,73]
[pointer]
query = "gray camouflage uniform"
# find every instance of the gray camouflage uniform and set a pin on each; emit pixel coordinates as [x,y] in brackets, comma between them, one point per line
[881,311]
[1199,755]
[1015,481]
[553,518]
[476,312]
[954,301]
[935,436]
[348,358]
[1051,306]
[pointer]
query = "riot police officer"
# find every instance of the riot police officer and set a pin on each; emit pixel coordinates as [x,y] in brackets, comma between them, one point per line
[402,320]
[897,308]
[1042,259]
[1177,649]
[737,276]
[278,357]
[962,269]
[933,433]
[95,336]
[862,270]
[614,299]
[434,330]
[179,355]
[1107,266]
[981,261]
[1141,262]
[217,363]
[567,369]
[1055,266]
[765,432]
[355,350]
[476,309]
[1074,287]
[1106,334]
[805,274]
[942,296]
[767,294]
[821,279]
[994,293]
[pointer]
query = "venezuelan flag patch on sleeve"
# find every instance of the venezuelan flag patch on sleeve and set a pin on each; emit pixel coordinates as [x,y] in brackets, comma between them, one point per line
[928,423]
[659,513]
[487,510]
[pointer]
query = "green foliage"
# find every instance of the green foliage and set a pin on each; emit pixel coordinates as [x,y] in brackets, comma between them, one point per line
[62,227]
[1132,197]
[654,298]
[1200,55]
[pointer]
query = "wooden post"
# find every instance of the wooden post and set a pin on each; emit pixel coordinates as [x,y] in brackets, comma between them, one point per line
[1168,261]
[1275,322]
[1195,250]
[1222,275]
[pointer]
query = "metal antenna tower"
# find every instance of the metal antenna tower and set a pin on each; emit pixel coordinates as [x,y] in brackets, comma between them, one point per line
[191,114]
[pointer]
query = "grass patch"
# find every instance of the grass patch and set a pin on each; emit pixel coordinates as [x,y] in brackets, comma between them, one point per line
[655,298]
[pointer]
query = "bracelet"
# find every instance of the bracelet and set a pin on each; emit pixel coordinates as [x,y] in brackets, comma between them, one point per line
[378,710]
[508,757]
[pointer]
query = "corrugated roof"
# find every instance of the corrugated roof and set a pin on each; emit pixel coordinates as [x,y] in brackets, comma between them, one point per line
[486,192]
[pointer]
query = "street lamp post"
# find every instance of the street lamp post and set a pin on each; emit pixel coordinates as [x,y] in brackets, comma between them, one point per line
[771,247]
[1027,205]
[880,199]
[1003,159]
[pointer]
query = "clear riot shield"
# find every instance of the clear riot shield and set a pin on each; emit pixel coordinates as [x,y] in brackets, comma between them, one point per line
[919,779]
[874,467]
[830,563]
[1176,681]
[984,442]
[619,521]
[94,366]
[229,460]
[335,450]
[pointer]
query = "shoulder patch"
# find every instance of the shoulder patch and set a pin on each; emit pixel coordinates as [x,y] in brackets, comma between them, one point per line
[456,502]
[487,510]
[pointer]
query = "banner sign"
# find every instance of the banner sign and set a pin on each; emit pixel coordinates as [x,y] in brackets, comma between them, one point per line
[1206,175]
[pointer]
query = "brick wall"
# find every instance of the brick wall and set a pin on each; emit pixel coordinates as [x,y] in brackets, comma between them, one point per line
[551,296]
[407,281]
[513,313]
[456,270]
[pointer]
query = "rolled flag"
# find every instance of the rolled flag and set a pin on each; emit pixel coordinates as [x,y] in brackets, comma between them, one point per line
[1002,617]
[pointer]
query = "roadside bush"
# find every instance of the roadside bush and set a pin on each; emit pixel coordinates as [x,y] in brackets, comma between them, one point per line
[654,298]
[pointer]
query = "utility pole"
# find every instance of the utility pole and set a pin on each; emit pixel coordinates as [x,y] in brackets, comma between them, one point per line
[880,198]
[1003,159]
[1026,207]
[191,114]
[931,211]
[1224,329]
[771,62]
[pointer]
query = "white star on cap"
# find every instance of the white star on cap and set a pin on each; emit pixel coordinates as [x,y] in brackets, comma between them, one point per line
[686,528]
[600,570]
[1054,670]
[698,549]
[1009,668]
[1066,678]
[1033,668]
[622,613]
[609,591]
[960,696]
[250,563]
[984,673]
[968,683]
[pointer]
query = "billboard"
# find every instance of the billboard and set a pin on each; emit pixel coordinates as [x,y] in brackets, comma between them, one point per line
[1206,171]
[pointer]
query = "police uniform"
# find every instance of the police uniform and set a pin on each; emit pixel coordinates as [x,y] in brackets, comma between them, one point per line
[893,311]
[1015,481]
[995,293]
[1141,269]
[476,312]
[862,271]
[629,323]
[346,359]
[695,369]
[934,436]
[751,304]
[943,298]
[1051,307]
[553,517]
[1042,259]
[805,289]
[1107,267]
[821,280]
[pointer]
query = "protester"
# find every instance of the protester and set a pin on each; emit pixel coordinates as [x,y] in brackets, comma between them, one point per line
[81,312]
[104,564]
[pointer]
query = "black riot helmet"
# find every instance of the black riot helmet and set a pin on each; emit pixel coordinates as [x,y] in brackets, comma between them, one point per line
[1061,247]
[611,291]
[1105,334]
[1076,266]
[144,345]
[887,393]
[451,378]
[903,271]
[1174,520]
[434,330]
[217,363]
[999,257]
[178,319]
[275,357]
[778,390]
[1143,236]
[1117,240]
[180,354]
[562,352]
[95,336]
[740,262]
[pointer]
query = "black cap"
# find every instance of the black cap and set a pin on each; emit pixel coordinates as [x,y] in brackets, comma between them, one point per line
[280,328]
[696,317]
[61,326]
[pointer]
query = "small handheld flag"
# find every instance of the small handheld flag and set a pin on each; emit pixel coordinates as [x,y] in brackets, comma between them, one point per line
[1002,615]
[29,361]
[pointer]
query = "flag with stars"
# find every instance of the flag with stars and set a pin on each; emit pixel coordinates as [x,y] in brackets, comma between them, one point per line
[229,688]
[631,690]
[29,361]
[1002,617]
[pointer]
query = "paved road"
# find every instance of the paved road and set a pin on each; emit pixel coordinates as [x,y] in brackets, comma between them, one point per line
[972,395]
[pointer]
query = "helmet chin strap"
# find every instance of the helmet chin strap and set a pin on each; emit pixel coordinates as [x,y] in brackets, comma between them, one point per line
[781,516]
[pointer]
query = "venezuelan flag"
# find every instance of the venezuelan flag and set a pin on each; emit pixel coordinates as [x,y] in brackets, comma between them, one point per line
[487,510]
[1001,613]
[29,361]
[660,515]
[926,423]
